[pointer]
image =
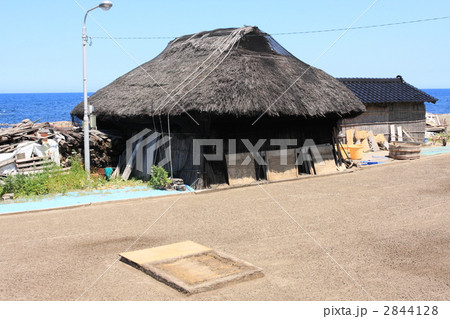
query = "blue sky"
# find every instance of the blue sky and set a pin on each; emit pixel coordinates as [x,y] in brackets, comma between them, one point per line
[41,40]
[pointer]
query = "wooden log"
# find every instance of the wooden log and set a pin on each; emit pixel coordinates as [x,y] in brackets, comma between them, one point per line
[104,145]
[7,162]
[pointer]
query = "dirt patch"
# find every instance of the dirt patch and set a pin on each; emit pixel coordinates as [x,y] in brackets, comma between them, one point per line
[420,254]
[379,224]
[202,268]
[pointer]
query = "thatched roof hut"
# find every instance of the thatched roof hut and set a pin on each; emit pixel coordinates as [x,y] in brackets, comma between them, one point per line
[241,72]
[226,79]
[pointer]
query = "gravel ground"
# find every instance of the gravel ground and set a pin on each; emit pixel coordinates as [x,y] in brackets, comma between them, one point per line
[380,233]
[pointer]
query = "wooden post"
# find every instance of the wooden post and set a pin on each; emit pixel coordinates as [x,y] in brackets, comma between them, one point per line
[392,133]
[400,133]
[116,172]
[349,136]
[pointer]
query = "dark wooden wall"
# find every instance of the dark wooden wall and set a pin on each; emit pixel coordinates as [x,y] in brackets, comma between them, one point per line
[183,131]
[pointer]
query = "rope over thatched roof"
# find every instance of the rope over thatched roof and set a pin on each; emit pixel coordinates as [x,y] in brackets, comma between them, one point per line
[239,72]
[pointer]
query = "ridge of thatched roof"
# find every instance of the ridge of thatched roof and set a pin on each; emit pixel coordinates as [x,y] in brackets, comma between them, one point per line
[235,71]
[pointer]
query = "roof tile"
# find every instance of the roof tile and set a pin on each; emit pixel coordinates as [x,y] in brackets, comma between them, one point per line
[385,90]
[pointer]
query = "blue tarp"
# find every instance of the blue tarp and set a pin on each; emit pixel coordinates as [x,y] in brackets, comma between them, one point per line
[83,198]
[435,150]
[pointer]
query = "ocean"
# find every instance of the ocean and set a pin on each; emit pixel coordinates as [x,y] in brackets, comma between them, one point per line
[52,107]
[45,107]
[443,105]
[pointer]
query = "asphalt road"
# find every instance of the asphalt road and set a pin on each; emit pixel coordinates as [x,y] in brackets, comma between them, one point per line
[381,233]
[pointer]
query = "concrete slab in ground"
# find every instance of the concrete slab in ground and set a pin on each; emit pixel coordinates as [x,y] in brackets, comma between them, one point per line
[190,267]
[161,253]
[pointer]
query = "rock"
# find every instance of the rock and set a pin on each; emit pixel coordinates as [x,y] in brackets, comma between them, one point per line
[180,187]
[8,196]
[177,181]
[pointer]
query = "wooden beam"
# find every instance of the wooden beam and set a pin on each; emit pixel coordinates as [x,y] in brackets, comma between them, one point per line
[405,131]
[373,142]
[392,127]
[399,134]
[7,162]
[129,167]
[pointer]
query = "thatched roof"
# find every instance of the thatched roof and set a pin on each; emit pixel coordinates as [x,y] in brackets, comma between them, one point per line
[240,72]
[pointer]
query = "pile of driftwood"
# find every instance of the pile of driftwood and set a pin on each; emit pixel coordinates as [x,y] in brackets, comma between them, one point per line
[105,147]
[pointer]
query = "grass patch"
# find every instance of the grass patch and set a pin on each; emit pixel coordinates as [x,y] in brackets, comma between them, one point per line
[52,181]
[116,183]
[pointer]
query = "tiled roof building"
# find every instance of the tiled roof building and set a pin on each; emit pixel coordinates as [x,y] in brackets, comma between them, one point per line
[387,90]
[388,101]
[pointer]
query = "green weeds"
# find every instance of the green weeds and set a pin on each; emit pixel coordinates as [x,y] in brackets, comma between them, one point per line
[160,178]
[53,180]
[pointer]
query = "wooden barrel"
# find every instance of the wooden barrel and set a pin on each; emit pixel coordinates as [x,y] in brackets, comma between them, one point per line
[404,150]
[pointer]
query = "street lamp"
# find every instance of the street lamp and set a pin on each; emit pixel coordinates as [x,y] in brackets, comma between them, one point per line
[104,5]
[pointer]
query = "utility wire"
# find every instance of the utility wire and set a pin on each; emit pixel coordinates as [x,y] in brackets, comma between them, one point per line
[300,32]
[135,38]
[363,27]
[317,59]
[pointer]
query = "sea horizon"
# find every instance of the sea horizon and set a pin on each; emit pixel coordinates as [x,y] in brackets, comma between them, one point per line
[56,106]
[80,92]
[46,93]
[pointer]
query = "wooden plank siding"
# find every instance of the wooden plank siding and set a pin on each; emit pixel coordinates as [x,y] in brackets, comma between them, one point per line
[378,119]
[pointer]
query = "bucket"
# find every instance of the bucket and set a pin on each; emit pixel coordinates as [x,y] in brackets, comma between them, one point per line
[356,152]
[404,150]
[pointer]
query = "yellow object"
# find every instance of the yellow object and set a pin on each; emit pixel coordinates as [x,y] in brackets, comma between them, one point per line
[365,145]
[177,250]
[345,152]
[380,138]
[350,136]
[356,152]
[360,135]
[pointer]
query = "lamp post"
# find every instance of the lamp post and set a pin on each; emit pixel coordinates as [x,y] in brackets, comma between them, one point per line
[104,5]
